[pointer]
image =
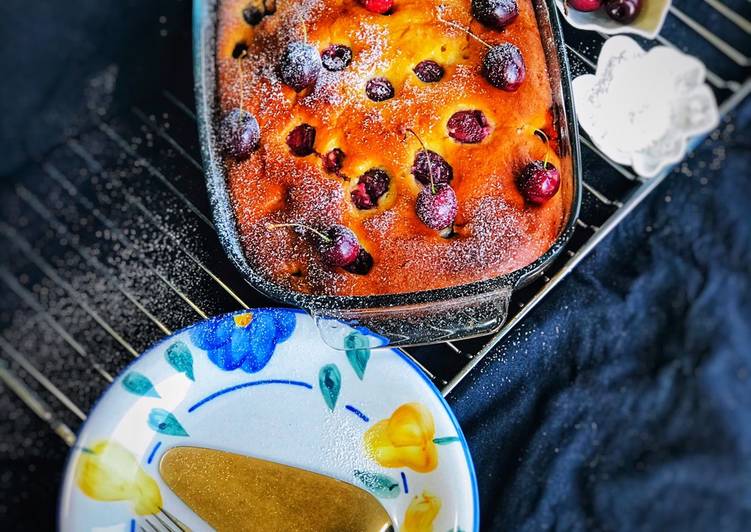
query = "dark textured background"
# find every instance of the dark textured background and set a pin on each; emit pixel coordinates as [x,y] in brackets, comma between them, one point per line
[623,402]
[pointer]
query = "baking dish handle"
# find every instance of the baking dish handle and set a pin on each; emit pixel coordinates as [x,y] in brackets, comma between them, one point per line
[415,324]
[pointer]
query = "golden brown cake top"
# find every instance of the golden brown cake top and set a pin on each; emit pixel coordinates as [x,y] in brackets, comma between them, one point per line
[495,229]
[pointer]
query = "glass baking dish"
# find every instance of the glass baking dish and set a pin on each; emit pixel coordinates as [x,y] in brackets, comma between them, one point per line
[412,318]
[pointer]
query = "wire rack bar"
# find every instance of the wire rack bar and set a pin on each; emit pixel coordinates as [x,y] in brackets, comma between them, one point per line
[121,237]
[610,206]
[16,287]
[636,198]
[38,376]
[731,15]
[36,404]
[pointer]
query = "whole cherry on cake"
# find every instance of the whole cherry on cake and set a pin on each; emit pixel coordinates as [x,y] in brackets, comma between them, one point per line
[496,14]
[502,65]
[382,7]
[337,245]
[539,181]
[239,134]
[436,206]
[300,65]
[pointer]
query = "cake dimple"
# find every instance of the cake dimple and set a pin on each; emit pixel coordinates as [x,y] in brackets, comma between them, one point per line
[326,144]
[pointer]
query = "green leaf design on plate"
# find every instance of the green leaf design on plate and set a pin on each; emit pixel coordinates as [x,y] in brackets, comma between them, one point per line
[179,357]
[330,381]
[358,352]
[139,384]
[165,423]
[379,485]
[446,440]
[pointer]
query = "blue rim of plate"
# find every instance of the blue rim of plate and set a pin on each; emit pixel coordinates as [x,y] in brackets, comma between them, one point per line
[398,352]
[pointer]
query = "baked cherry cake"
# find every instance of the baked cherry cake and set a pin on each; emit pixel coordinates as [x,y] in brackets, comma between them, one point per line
[388,146]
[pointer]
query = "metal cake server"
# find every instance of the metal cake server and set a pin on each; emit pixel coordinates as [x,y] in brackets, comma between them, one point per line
[233,492]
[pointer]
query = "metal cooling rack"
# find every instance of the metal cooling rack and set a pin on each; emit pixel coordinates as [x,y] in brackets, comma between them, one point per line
[106,243]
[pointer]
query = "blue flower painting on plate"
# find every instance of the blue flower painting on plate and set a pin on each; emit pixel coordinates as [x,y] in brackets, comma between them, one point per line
[245,341]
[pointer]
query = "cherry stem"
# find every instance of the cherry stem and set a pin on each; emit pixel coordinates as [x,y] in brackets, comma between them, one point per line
[243,55]
[546,140]
[460,27]
[427,154]
[304,32]
[324,237]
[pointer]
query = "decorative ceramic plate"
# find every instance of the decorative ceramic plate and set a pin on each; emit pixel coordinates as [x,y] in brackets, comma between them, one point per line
[262,385]
[647,24]
[642,108]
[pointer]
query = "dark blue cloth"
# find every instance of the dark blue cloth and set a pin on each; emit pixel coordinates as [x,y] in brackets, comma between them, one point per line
[624,401]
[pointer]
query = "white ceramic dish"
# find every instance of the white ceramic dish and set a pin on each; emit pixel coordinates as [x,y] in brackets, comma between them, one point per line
[641,108]
[648,24]
[262,383]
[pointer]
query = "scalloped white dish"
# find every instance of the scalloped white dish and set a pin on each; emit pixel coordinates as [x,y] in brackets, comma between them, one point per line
[648,24]
[641,108]
[262,384]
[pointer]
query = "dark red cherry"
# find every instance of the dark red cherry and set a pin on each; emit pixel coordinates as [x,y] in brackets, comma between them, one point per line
[239,134]
[442,172]
[496,14]
[468,127]
[381,7]
[253,14]
[301,140]
[436,207]
[336,57]
[584,5]
[362,264]
[379,89]
[503,67]
[333,161]
[340,247]
[623,11]
[370,187]
[300,65]
[539,182]
[428,71]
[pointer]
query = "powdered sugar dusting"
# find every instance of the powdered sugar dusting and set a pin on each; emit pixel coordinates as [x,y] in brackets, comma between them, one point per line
[495,232]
